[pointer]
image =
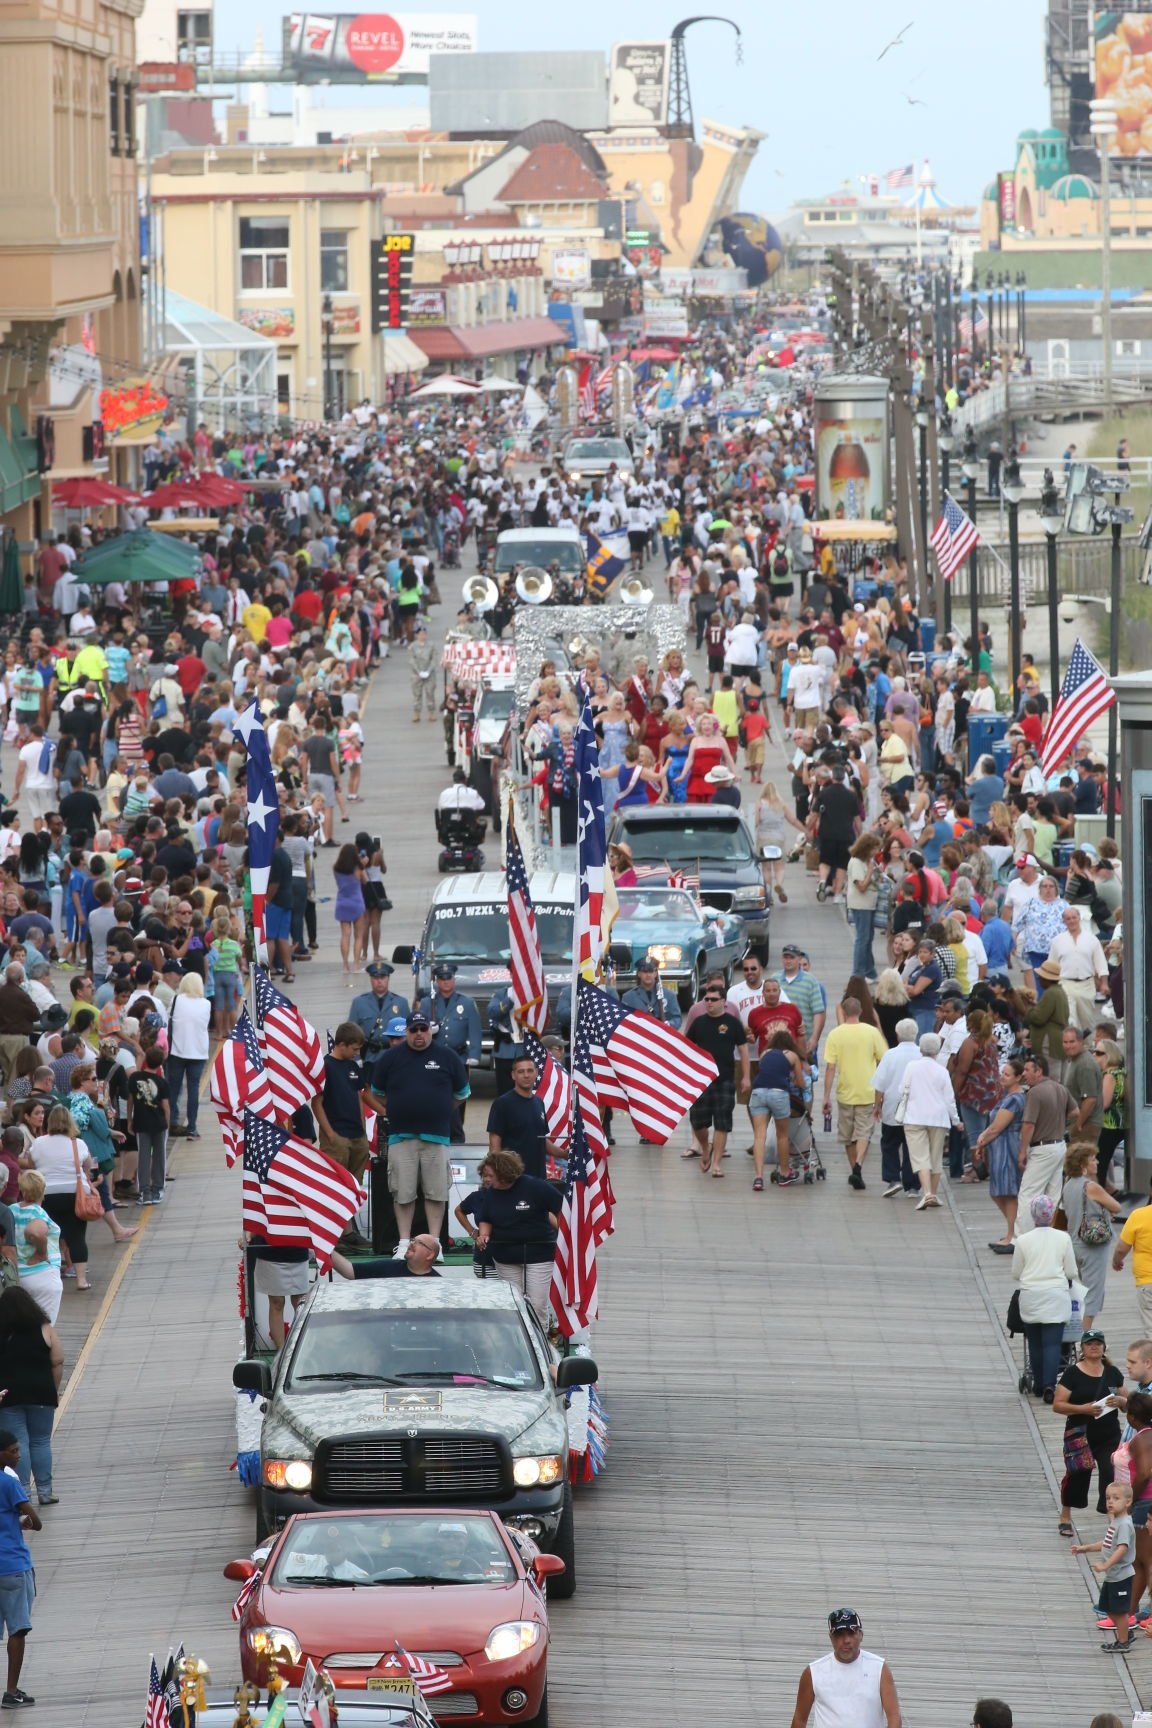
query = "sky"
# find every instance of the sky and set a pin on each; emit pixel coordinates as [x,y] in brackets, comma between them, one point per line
[957,89]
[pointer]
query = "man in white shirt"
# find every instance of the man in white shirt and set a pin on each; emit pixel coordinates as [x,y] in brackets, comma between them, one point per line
[35,776]
[983,698]
[1083,969]
[1023,887]
[952,1025]
[749,993]
[460,796]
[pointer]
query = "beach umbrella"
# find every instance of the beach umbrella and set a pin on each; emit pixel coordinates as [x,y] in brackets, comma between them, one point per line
[138,557]
[498,386]
[89,492]
[448,385]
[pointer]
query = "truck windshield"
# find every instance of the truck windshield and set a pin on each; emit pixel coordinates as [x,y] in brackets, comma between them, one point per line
[567,553]
[410,1347]
[470,934]
[677,842]
[393,1550]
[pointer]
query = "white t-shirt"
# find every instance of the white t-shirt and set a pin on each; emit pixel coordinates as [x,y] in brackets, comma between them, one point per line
[188,1021]
[52,1156]
[35,780]
[742,998]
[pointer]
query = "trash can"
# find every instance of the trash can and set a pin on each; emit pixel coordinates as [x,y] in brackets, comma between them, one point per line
[1002,755]
[927,634]
[984,730]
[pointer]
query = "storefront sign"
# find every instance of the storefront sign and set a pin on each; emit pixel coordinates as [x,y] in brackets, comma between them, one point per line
[134,408]
[345,318]
[427,306]
[1006,190]
[391,281]
[158,76]
[374,44]
[571,266]
[277,322]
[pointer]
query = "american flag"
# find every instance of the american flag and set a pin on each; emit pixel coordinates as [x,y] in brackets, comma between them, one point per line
[595,883]
[155,1710]
[247,1590]
[529,992]
[1084,695]
[290,1047]
[293,1173]
[587,392]
[966,330]
[641,1064]
[428,1677]
[899,179]
[239,1080]
[586,1212]
[953,538]
[554,1089]
[263,816]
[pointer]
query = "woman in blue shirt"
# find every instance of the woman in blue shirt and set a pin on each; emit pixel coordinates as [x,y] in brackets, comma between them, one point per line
[923,986]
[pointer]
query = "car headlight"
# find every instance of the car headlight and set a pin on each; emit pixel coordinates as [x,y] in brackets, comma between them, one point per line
[666,954]
[295,1473]
[279,1642]
[537,1472]
[747,898]
[511,1639]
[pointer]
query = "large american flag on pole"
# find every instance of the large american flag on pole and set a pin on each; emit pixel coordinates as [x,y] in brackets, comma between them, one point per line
[594,880]
[529,990]
[263,817]
[290,1047]
[641,1064]
[586,1211]
[899,179]
[553,1088]
[239,1081]
[1084,695]
[953,538]
[296,1177]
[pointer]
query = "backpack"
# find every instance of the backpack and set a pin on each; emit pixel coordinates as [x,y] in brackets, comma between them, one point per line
[780,565]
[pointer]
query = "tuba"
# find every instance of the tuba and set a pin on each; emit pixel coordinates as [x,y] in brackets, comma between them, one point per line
[634,592]
[534,585]
[481,592]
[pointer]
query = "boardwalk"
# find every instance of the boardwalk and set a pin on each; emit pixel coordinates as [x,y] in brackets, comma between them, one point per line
[811,1405]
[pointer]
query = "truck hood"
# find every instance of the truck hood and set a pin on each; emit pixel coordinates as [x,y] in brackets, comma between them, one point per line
[316,1416]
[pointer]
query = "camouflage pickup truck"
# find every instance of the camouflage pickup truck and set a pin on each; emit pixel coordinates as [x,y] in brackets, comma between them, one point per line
[409,1391]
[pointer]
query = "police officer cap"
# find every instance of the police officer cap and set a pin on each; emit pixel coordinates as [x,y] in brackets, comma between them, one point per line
[396,1027]
[444,970]
[379,969]
[647,964]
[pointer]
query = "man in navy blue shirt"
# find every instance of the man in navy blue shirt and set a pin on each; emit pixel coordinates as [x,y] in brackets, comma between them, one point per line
[1087,792]
[517,1123]
[416,1085]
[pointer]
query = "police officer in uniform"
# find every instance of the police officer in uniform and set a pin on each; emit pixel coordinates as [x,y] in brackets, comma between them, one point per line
[506,1033]
[456,1023]
[650,995]
[376,1007]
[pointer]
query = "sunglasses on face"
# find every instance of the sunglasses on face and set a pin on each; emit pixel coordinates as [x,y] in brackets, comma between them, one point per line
[713,995]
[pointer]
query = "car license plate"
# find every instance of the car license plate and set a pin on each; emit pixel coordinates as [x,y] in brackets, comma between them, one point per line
[382,1683]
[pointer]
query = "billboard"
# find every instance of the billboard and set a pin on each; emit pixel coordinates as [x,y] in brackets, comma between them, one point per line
[1123,45]
[500,94]
[851,426]
[638,83]
[320,45]
[391,266]
[278,322]
[427,306]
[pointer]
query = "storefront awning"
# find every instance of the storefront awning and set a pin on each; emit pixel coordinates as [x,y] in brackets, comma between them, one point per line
[19,466]
[507,336]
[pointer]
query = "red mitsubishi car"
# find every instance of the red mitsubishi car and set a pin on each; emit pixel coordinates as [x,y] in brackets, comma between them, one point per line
[359,1591]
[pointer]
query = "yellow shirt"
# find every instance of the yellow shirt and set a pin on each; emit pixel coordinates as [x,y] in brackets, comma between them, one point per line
[1137,1232]
[670,523]
[855,1051]
[256,620]
[727,710]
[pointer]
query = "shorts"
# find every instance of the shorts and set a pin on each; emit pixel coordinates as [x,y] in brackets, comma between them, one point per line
[714,1107]
[417,1166]
[742,671]
[1140,1511]
[854,1122]
[716,662]
[770,1101]
[754,753]
[227,997]
[326,784]
[17,1594]
[277,922]
[834,853]
[350,1150]
[42,801]
[282,1277]
[1115,1596]
[637,539]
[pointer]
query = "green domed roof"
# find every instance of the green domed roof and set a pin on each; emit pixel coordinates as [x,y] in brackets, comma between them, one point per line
[1027,135]
[1050,132]
[1074,186]
[992,191]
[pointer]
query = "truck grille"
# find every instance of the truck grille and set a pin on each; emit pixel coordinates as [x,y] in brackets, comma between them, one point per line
[384,1467]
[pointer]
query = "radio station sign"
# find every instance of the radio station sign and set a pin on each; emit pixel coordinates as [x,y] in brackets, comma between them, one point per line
[391,281]
[369,45]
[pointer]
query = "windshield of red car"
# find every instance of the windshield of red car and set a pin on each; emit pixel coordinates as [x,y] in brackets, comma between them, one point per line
[402,1550]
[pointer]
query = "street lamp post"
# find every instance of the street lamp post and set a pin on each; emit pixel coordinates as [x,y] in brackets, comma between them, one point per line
[326,322]
[1052,520]
[971,472]
[1012,491]
[922,426]
[945,438]
[1113,668]
[1103,124]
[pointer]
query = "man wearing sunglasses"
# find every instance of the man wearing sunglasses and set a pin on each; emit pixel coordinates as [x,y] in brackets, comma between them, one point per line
[721,1033]
[851,1688]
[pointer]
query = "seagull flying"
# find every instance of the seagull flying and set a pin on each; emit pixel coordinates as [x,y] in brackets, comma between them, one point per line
[896,40]
[914,101]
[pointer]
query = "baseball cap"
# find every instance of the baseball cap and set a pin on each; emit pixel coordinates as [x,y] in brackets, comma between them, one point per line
[791,948]
[1095,1336]
[951,987]
[397,1026]
[1025,860]
[172,965]
[417,1022]
[647,964]
[845,1620]
[379,969]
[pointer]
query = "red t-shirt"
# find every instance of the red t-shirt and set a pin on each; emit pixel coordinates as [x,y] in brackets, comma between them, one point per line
[190,673]
[308,605]
[764,1023]
[1032,727]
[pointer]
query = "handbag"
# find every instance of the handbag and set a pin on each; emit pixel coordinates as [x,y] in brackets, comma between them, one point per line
[88,1204]
[1014,1324]
[1094,1232]
[1077,1452]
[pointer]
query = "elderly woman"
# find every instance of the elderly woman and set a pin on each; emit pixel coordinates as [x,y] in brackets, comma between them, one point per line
[1048,1017]
[1089,1209]
[1041,920]
[926,1111]
[1043,1263]
[513,1220]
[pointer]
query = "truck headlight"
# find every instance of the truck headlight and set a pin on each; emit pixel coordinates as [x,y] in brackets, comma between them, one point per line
[294,1473]
[666,954]
[748,899]
[537,1472]
[279,1642]
[511,1639]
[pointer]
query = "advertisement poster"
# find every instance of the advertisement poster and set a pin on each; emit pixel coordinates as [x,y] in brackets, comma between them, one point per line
[427,306]
[391,266]
[373,44]
[345,318]
[1123,43]
[638,84]
[278,322]
[572,266]
[851,460]
[1006,193]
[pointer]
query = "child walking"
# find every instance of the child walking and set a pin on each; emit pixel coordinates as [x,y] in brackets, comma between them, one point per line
[1117,1550]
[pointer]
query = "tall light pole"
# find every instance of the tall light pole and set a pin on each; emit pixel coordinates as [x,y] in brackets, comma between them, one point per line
[922,429]
[971,471]
[945,438]
[1012,491]
[1052,520]
[326,321]
[1102,120]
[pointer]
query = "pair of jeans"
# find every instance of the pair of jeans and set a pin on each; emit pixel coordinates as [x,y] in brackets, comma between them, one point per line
[1044,1341]
[151,1143]
[32,1426]
[863,923]
[956,1146]
[184,1071]
[895,1164]
[925,1018]
[299,903]
[975,1122]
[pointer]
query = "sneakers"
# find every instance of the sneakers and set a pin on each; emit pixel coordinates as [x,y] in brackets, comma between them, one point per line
[48,1499]
[790,1179]
[856,1179]
[893,1188]
[401,1248]
[15,1700]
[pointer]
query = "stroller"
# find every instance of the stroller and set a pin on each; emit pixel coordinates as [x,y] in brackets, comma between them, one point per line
[460,833]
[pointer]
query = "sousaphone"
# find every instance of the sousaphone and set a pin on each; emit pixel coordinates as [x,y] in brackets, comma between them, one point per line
[634,592]
[481,592]
[534,585]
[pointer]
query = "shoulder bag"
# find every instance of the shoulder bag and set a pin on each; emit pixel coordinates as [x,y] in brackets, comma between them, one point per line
[88,1204]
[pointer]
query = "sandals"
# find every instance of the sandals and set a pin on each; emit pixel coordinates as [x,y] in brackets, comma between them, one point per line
[781,896]
[1065,1530]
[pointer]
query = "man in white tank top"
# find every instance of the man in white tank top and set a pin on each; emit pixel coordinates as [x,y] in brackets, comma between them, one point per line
[851,1688]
